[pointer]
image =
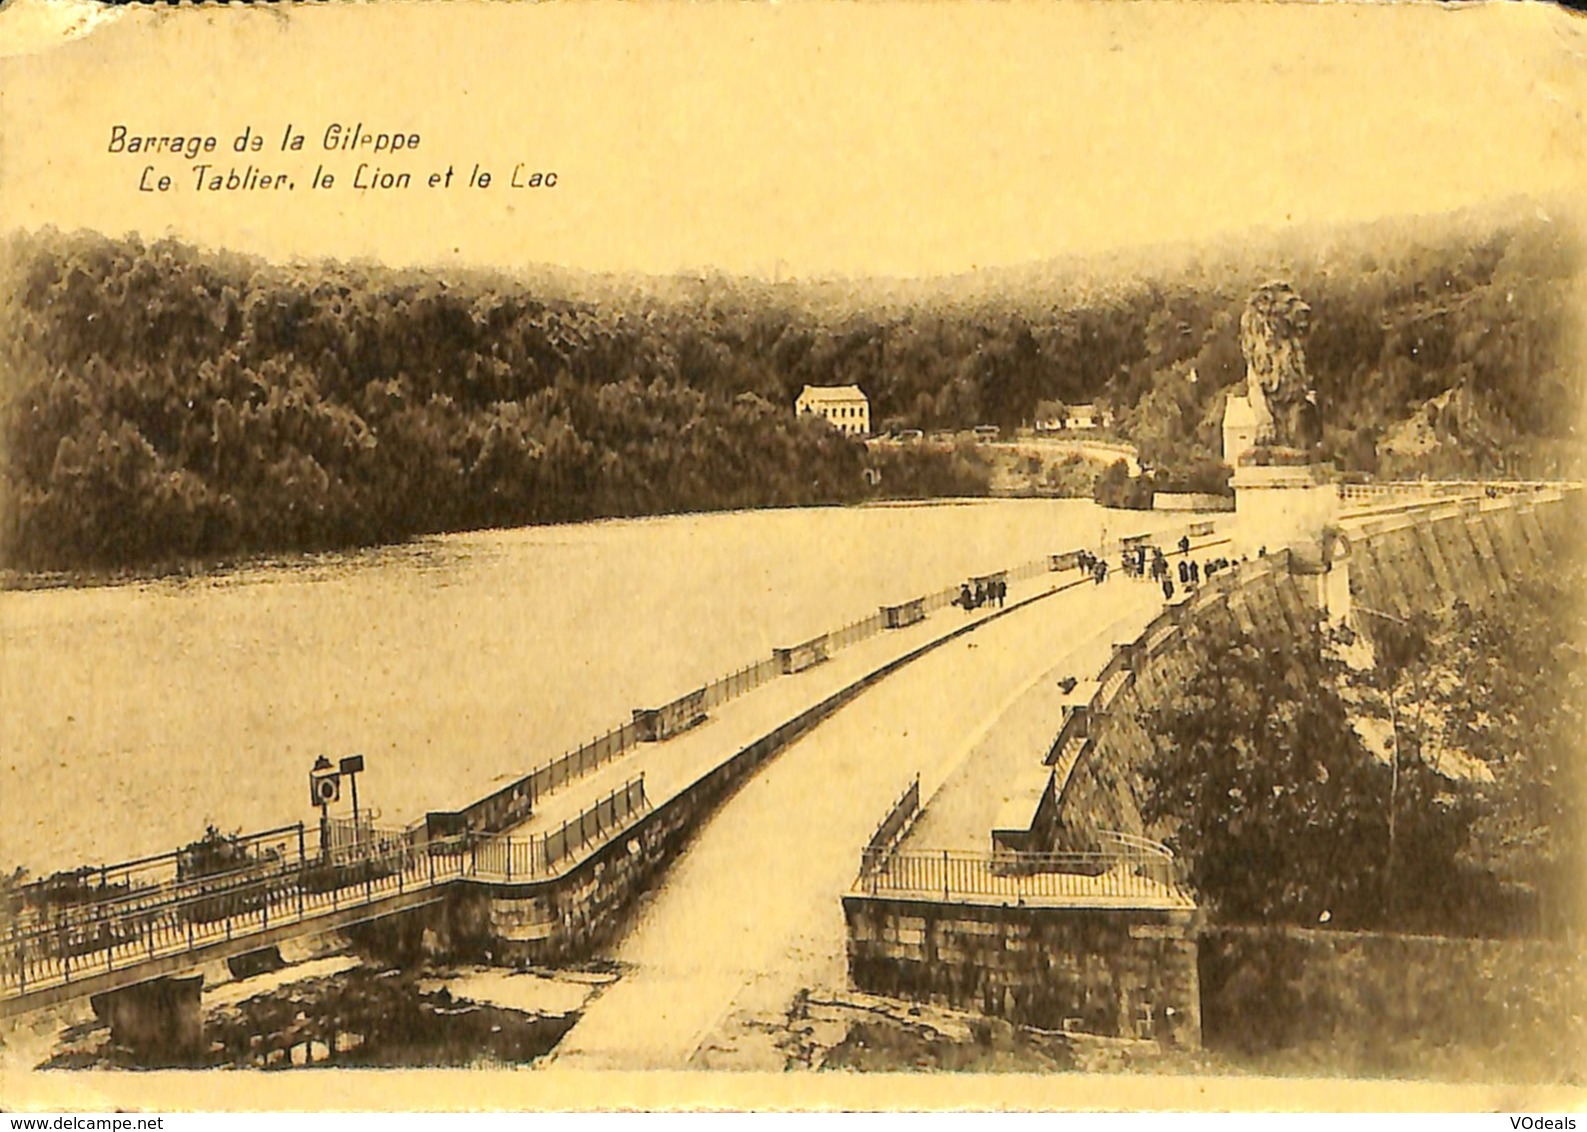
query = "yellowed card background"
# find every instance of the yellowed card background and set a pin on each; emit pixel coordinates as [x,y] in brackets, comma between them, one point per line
[790,139]
[888,138]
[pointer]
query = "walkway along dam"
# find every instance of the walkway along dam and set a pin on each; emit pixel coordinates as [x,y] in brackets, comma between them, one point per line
[955,796]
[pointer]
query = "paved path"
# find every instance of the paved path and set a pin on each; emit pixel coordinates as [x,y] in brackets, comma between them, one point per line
[750,912]
[1003,773]
[1103,451]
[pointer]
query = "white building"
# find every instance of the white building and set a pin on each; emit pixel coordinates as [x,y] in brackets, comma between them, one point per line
[1239,429]
[845,406]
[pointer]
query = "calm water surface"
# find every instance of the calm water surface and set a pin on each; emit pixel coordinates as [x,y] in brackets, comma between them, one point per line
[132,715]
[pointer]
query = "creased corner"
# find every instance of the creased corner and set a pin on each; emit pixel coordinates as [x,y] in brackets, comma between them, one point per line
[28,27]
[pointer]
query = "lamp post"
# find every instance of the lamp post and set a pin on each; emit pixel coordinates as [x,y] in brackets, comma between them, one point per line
[325,787]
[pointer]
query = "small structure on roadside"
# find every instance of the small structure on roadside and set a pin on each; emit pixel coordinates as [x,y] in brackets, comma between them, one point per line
[845,407]
[1239,429]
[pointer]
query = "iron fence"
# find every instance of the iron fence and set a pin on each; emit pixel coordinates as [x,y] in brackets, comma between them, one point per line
[533,858]
[1124,872]
[891,829]
[114,935]
[364,864]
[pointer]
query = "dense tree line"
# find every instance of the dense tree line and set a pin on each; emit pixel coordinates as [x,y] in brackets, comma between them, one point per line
[160,402]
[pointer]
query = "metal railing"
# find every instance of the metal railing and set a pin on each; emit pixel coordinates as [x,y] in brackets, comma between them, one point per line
[856,631]
[891,829]
[536,858]
[1141,874]
[364,865]
[181,917]
[746,679]
[146,878]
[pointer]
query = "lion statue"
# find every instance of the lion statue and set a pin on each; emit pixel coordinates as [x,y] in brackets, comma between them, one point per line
[1273,330]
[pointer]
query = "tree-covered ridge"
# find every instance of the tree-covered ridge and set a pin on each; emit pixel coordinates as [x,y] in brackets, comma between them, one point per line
[1450,359]
[160,402]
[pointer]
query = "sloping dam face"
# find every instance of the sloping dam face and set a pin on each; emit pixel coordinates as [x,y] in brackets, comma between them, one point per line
[1398,566]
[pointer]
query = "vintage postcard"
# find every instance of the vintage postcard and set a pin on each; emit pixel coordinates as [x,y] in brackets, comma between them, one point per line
[800,555]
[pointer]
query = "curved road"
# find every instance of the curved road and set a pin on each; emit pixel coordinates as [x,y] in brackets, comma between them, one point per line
[1104,451]
[750,913]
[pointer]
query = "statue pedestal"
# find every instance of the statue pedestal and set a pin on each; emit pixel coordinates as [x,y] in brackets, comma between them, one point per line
[1279,506]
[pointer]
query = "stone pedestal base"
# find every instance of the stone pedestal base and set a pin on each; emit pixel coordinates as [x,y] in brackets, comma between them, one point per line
[1278,507]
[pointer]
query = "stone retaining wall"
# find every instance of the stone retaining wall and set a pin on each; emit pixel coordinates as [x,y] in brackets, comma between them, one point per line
[1116,972]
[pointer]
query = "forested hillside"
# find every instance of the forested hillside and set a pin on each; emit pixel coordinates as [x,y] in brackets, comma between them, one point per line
[158,402]
[1452,356]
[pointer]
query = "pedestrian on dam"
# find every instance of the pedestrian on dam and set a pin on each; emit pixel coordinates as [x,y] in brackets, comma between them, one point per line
[1195,573]
[1168,589]
[964,596]
[1184,544]
[980,594]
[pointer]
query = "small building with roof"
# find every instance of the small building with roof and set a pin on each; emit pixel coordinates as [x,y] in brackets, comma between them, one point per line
[845,407]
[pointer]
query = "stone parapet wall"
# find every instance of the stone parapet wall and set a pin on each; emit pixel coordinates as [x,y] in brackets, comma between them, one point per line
[1115,972]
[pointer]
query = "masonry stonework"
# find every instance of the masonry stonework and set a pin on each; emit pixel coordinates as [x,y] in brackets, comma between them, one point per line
[1116,972]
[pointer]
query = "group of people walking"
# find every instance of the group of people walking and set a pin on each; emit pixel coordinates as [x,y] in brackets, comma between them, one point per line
[1093,564]
[1140,560]
[1143,560]
[987,591]
[1191,573]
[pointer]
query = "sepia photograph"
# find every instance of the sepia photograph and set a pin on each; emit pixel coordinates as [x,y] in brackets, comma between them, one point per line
[792,556]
